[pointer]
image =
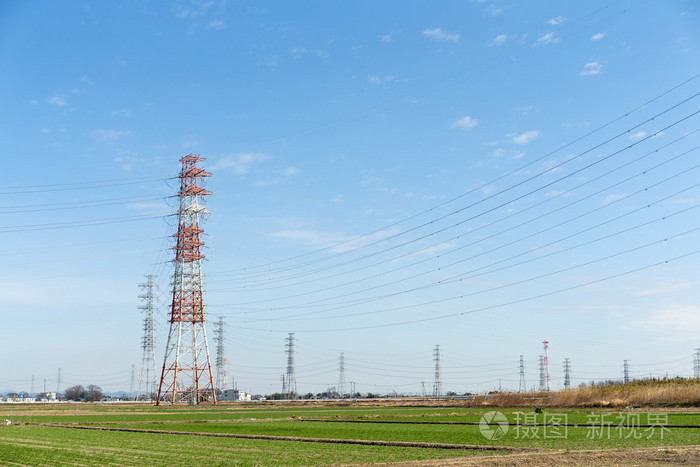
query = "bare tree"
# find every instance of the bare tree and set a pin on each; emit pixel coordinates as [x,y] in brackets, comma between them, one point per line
[94,393]
[74,393]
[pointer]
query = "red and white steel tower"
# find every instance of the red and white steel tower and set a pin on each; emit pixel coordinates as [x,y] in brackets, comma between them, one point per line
[187,374]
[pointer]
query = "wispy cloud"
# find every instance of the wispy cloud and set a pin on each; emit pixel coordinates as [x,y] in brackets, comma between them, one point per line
[557,20]
[298,52]
[672,322]
[192,9]
[548,39]
[592,68]
[57,101]
[121,113]
[466,123]
[526,137]
[638,135]
[597,37]
[380,79]
[498,40]
[112,135]
[217,24]
[439,35]
[386,38]
[240,163]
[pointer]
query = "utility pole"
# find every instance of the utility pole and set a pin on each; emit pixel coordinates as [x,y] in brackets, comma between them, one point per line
[437,385]
[423,393]
[149,299]
[31,391]
[521,386]
[696,363]
[542,376]
[187,375]
[58,383]
[626,370]
[567,373]
[341,375]
[291,379]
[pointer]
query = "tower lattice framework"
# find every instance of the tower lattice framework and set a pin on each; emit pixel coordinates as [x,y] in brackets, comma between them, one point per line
[147,377]
[187,373]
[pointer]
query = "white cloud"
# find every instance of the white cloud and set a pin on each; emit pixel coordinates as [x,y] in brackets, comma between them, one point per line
[466,123]
[57,100]
[557,20]
[592,68]
[547,39]
[638,135]
[527,137]
[597,37]
[121,113]
[33,102]
[440,35]
[499,39]
[380,79]
[673,322]
[192,9]
[386,38]
[291,171]
[298,52]
[240,163]
[217,24]
[112,135]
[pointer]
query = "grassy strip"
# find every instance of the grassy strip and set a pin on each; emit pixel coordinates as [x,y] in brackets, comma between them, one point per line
[55,446]
[575,438]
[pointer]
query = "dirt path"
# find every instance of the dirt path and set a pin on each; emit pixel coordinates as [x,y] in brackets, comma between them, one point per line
[675,455]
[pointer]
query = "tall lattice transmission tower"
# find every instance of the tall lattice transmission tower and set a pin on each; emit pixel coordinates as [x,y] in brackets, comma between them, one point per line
[567,373]
[547,375]
[696,363]
[187,374]
[542,375]
[221,370]
[626,371]
[147,376]
[521,386]
[437,385]
[290,380]
[341,375]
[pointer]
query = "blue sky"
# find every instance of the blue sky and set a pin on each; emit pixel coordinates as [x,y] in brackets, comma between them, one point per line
[387,176]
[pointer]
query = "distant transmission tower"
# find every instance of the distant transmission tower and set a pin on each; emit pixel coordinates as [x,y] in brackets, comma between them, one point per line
[290,381]
[542,375]
[696,363]
[147,376]
[58,383]
[187,374]
[221,373]
[626,370]
[437,385]
[547,375]
[567,373]
[522,387]
[341,374]
[133,380]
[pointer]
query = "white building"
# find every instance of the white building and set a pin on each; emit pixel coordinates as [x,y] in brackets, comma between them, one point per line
[234,395]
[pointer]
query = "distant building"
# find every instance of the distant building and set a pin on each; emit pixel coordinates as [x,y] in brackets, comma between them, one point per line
[234,395]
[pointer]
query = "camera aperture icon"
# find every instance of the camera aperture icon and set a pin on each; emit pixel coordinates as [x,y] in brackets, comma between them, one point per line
[493,425]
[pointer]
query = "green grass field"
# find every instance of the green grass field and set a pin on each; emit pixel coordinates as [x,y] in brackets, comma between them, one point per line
[213,435]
